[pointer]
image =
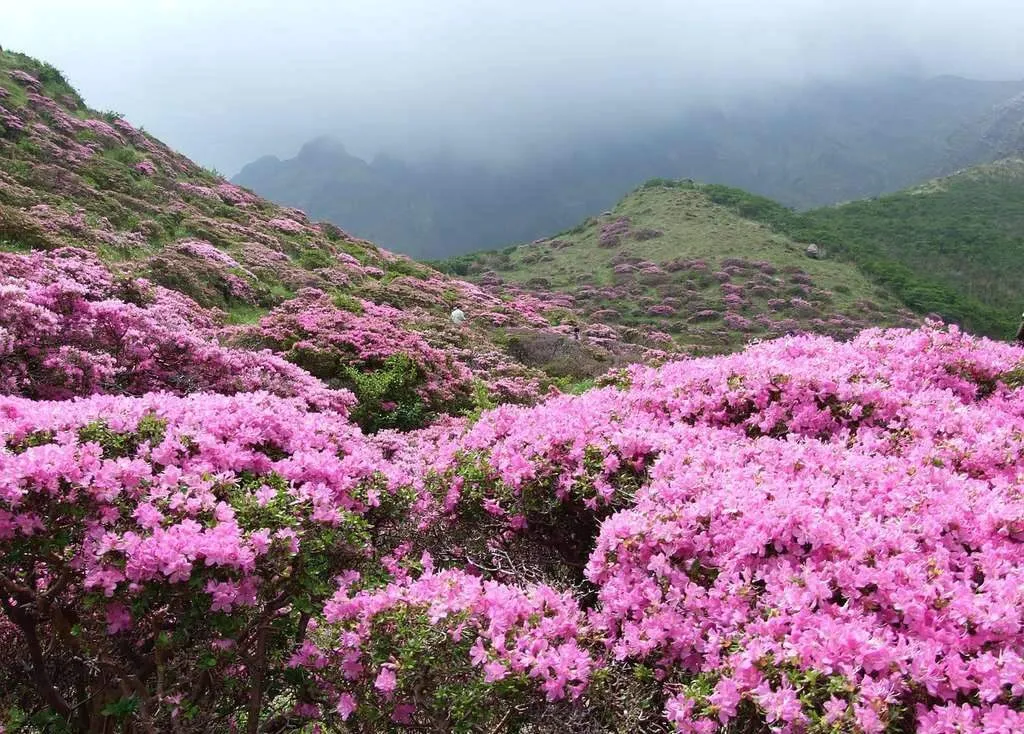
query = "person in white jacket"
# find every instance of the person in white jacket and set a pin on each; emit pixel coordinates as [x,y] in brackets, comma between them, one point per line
[457,316]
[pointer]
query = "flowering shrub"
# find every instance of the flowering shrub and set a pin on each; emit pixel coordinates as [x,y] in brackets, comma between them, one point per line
[661,310]
[331,342]
[611,233]
[801,305]
[233,194]
[286,225]
[484,633]
[203,192]
[102,130]
[25,79]
[146,168]
[737,322]
[206,251]
[161,557]
[806,536]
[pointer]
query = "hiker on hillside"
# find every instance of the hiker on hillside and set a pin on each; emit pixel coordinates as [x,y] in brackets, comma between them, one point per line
[457,316]
[1020,331]
[576,332]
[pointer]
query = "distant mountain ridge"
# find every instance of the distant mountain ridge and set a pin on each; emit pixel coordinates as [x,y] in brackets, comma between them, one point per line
[815,146]
[1000,134]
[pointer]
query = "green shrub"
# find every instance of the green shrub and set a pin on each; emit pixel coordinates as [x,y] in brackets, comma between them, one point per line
[481,400]
[346,302]
[125,155]
[20,230]
[953,251]
[407,267]
[389,395]
[313,259]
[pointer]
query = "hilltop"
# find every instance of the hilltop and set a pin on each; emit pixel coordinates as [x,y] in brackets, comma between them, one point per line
[806,147]
[668,258]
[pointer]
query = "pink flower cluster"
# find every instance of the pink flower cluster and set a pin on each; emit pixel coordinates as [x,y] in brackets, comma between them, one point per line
[808,535]
[533,632]
[146,168]
[289,226]
[198,514]
[25,79]
[67,329]
[207,251]
[204,192]
[103,130]
[236,195]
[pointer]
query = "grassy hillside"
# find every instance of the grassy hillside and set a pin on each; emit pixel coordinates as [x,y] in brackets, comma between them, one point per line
[954,246]
[670,258]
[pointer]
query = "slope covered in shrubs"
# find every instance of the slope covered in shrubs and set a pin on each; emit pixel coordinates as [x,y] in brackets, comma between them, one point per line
[160,227]
[669,258]
[949,246]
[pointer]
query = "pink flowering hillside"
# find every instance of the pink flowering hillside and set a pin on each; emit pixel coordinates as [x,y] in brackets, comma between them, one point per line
[68,328]
[71,177]
[806,536]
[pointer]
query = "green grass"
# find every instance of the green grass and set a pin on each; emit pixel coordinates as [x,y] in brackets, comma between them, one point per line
[13,246]
[243,313]
[109,253]
[279,292]
[16,96]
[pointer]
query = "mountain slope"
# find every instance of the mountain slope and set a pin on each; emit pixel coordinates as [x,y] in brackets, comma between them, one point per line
[669,258]
[807,146]
[423,209]
[92,189]
[953,246]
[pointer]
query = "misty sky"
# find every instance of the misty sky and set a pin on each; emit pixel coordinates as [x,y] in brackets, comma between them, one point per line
[228,81]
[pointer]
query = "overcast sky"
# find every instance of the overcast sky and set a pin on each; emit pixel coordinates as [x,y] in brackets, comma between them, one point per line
[226,81]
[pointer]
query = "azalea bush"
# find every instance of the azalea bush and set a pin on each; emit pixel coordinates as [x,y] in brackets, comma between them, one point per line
[364,346]
[161,558]
[808,536]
